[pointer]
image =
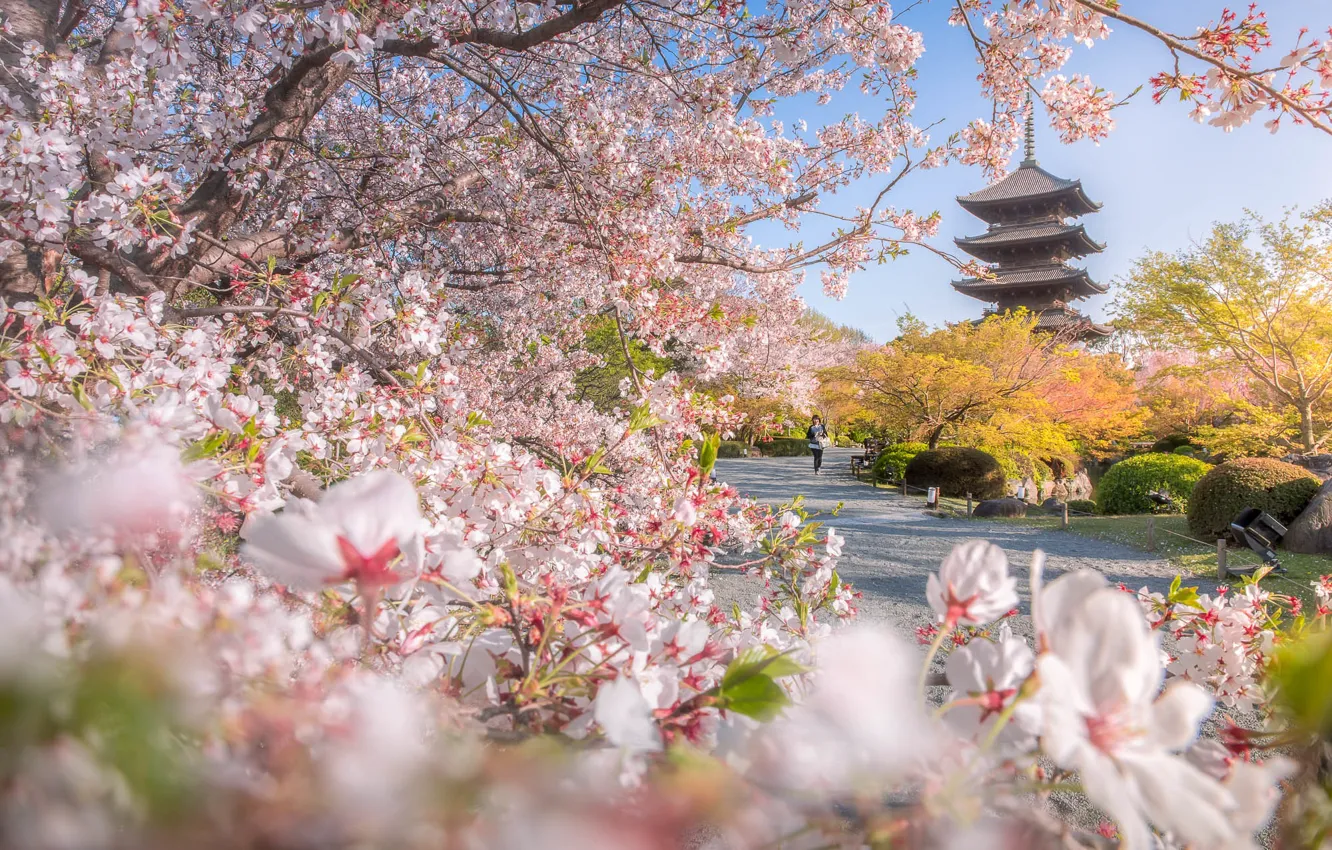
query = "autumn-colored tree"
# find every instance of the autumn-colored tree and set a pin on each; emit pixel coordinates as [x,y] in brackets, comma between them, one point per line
[1256,298]
[999,385]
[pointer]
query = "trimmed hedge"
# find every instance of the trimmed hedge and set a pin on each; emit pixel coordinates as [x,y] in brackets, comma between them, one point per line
[731,448]
[1281,489]
[957,471]
[1187,451]
[1125,486]
[891,463]
[785,447]
[1082,506]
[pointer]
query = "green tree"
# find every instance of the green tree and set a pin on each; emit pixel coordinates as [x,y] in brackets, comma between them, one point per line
[1255,296]
[600,383]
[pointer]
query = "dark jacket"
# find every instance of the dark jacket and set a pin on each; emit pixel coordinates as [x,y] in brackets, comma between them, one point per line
[814,432]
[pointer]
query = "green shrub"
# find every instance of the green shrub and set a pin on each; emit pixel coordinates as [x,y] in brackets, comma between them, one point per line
[1186,451]
[785,447]
[731,448]
[1125,486]
[1281,489]
[1169,443]
[1081,506]
[891,463]
[957,471]
[845,442]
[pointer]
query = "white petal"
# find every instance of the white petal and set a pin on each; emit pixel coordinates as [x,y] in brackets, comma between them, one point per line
[1177,713]
[292,549]
[1108,790]
[625,716]
[1060,598]
[373,509]
[1181,799]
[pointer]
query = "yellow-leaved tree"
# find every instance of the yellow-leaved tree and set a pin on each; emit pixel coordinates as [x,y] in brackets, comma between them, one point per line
[1255,298]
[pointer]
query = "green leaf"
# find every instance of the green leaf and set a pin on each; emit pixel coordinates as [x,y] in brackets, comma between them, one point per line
[1187,596]
[707,454]
[758,697]
[760,661]
[1301,674]
[642,418]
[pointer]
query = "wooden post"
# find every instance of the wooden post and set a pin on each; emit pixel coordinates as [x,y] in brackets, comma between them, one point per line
[1151,534]
[1065,523]
[903,487]
[1221,572]
[968,503]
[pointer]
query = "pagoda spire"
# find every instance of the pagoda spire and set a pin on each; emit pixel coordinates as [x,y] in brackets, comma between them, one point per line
[1031,132]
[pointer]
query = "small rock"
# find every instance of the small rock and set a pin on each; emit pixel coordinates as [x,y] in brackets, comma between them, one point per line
[1311,531]
[1000,508]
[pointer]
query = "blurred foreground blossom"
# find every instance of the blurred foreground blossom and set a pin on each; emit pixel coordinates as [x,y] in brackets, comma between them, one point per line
[137,487]
[1105,715]
[356,532]
[860,725]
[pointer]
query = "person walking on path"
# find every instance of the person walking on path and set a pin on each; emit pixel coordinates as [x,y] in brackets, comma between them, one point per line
[818,438]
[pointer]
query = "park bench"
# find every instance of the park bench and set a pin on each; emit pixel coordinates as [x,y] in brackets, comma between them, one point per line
[861,462]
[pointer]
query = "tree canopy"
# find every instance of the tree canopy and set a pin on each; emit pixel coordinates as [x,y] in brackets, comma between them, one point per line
[1254,298]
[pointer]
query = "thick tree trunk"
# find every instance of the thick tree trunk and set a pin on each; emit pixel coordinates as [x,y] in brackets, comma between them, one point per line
[1307,426]
[935,436]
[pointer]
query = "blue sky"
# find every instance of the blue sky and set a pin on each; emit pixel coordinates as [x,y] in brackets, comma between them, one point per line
[1162,178]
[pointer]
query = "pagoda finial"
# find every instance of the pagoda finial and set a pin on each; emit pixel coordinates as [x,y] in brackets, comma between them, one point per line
[1031,132]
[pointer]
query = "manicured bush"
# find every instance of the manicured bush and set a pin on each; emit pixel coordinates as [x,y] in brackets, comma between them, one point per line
[731,448]
[891,463]
[1125,486]
[785,447]
[845,442]
[1169,443]
[1081,506]
[957,471]
[1187,451]
[1281,489]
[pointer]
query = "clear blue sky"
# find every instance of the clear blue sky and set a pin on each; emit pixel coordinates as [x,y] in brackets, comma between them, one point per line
[1162,178]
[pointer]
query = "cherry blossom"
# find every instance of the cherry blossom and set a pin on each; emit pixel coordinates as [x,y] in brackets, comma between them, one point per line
[973,586]
[986,676]
[1105,716]
[358,531]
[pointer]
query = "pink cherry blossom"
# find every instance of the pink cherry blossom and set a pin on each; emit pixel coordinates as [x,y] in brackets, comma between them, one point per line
[973,586]
[358,531]
[1105,716]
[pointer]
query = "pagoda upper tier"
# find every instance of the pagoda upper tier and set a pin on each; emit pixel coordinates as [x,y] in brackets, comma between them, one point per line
[1028,245]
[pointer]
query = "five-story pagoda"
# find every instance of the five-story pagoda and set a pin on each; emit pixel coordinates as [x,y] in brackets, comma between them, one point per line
[1028,244]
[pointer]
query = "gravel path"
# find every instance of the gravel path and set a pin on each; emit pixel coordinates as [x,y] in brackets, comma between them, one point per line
[892,545]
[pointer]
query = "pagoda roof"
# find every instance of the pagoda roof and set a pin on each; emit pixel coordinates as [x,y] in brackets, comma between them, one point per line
[1029,184]
[1063,320]
[1048,231]
[1049,275]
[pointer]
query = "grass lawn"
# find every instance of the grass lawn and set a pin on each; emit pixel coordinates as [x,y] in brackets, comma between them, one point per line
[1190,557]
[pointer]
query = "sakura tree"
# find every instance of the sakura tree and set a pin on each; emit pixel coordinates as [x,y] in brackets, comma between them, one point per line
[307,538]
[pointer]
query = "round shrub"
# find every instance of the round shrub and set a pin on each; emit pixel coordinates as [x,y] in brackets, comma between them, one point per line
[1169,443]
[891,463]
[1081,506]
[1281,489]
[1124,488]
[1187,451]
[957,471]
[731,448]
[785,447]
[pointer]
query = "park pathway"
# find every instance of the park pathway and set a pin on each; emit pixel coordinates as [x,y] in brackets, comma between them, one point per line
[892,545]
